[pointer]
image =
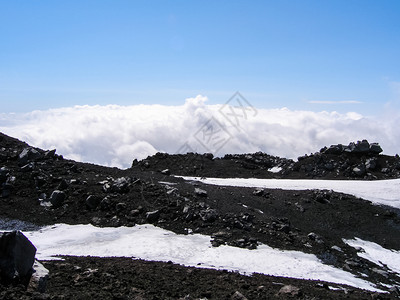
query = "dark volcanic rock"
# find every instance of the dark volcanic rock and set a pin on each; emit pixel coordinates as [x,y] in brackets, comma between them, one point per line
[28,155]
[92,201]
[152,216]
[17,255]
[57,198]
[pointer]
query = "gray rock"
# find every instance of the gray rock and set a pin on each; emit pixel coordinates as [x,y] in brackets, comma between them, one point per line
[258,192]
[40,276]
[371,163]
[208,215]
[57,198]
[17,255]
[200,192]
[29,167]
[121,185]
[315,237]
[238,296]
[359,170]
[50,153]
[166,172]
[289,290]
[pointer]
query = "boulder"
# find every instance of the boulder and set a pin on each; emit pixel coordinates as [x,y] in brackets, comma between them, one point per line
[359,147]
[28,155]
[57,198]
[120,185]
[334,149]
[17,255]
[375,148]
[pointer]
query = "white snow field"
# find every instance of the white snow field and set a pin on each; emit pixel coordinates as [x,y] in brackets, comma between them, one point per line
[385,192]
[152,243]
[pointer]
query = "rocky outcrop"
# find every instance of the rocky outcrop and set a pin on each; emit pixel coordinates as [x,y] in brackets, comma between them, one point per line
[360,147]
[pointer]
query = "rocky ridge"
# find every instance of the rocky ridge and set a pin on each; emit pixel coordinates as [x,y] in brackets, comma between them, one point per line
[360,160]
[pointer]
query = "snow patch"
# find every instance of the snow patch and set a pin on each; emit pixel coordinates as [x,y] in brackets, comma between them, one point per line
[275,169]
[377,254]
[152,243]
[378,191]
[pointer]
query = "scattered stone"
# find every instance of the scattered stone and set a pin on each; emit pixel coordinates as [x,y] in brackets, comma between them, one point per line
[334,149]
[336,248]
[359,170]
[4,173]
[258,192]
[50,154]
[63,185]
[120,206]
[28,167]
[200,192]
[315,237]
[238,296]
[92,201]
[166,172]
[121,185]
[152,216]
[28,155]
[208,215]
[289,290]
[380,272]
[371,163]
[57,198]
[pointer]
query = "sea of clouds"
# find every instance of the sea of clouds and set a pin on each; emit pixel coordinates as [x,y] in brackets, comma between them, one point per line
[114,135]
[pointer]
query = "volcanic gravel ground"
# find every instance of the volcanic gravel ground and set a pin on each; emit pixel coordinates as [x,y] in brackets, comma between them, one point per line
[125,278]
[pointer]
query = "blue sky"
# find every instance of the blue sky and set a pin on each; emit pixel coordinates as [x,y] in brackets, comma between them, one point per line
[276,53]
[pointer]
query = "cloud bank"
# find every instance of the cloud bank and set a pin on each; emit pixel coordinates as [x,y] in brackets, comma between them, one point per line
[115,135]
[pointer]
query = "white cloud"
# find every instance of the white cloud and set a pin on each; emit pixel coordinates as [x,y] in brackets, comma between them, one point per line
[114,135]
[335,102]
